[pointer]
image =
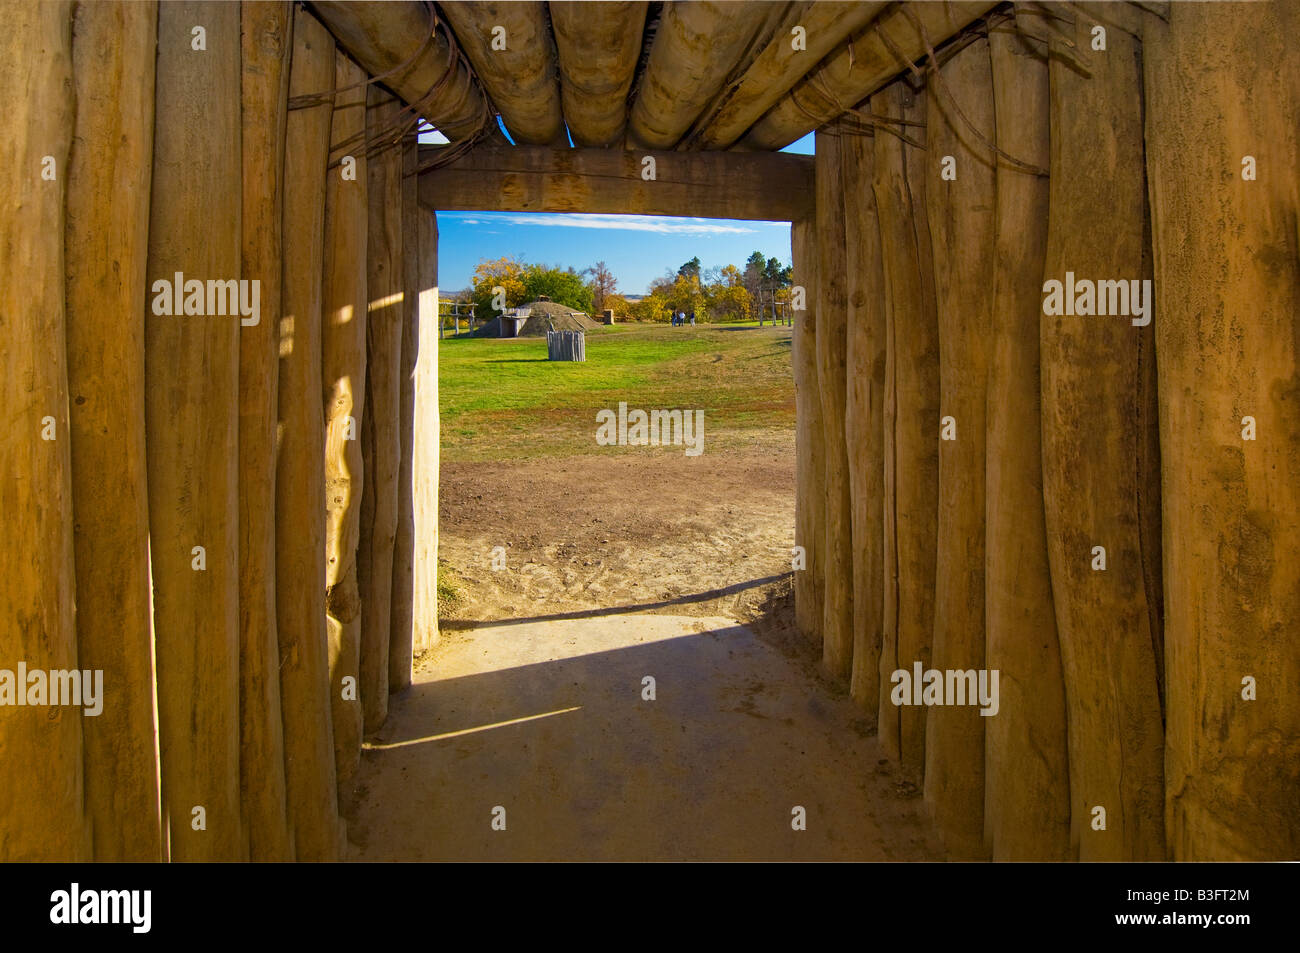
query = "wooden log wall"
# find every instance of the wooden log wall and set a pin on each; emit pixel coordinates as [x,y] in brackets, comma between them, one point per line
[1026,790]
[192,425]
[1227,266]
[1077,488]
[266,38]
[106,243]
[41,753]
[380,434]
[218,365]
[343,353]
[1095,411]
[960,208]
[911,416]
[810,463]
[864,415]
[300,473]
[190,454]
[401,636]
[831,337]
[424,445]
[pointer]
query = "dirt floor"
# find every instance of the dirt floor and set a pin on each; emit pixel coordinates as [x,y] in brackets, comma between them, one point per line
[632,563]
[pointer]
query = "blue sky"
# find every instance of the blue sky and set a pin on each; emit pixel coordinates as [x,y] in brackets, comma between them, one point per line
[637,248]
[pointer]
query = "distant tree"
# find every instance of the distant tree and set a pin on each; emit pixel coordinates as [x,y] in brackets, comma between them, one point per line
[650,308]
[727,302]
[563,287]
[753,276]
[507,273]
[691,269]
[603,284]
[663,287]
[615,302]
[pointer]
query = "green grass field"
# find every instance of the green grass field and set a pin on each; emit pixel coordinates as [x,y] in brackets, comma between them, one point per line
[502,399]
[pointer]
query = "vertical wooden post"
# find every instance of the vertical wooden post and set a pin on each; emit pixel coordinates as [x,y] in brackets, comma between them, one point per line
[107,243]
[41,784]
[424,483]
[343,354]
[380,446]
[1027,791]
[865,414]
[961,231]
[910,417]
[191,428]
[267,36]
[832,328]
[1223,151]
[300,473]
[1095,411]
[401,635]
[911,450]
[810,438]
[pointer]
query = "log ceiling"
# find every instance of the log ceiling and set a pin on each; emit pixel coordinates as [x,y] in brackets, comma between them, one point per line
[698,75]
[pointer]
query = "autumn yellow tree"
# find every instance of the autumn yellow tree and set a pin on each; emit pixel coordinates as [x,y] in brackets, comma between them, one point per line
[507,273]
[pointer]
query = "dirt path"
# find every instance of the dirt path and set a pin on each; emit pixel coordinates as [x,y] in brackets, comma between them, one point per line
[622,566]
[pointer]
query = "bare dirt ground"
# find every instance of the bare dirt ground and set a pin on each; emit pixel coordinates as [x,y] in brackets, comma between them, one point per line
[630,563]
[646,527]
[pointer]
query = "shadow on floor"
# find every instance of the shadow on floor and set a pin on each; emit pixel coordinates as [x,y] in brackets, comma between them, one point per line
[448,625]
[547,720]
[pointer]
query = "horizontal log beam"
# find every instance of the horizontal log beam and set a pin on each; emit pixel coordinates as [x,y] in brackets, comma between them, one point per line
[751,186]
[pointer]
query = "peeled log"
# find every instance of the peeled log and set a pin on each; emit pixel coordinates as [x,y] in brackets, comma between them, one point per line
[401,633]
[1228,275]
[1026,780]
[961,229]
[961,233]
[911,450]
[191,425]
[1095,412]
[810,439]
[300,474]
[380,447]
[777,69]
[598,46]
[424,453]
[832,331]
[107,244]
[521,78]
[859,68]
[343,358]
[697,46]
[267,30]
[383,35]
[41,784]
[865,414]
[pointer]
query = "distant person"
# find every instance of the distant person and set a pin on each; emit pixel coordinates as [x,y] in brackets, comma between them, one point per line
[692,317]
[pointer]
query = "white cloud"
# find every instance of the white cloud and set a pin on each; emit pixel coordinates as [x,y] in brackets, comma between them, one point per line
[662,224]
